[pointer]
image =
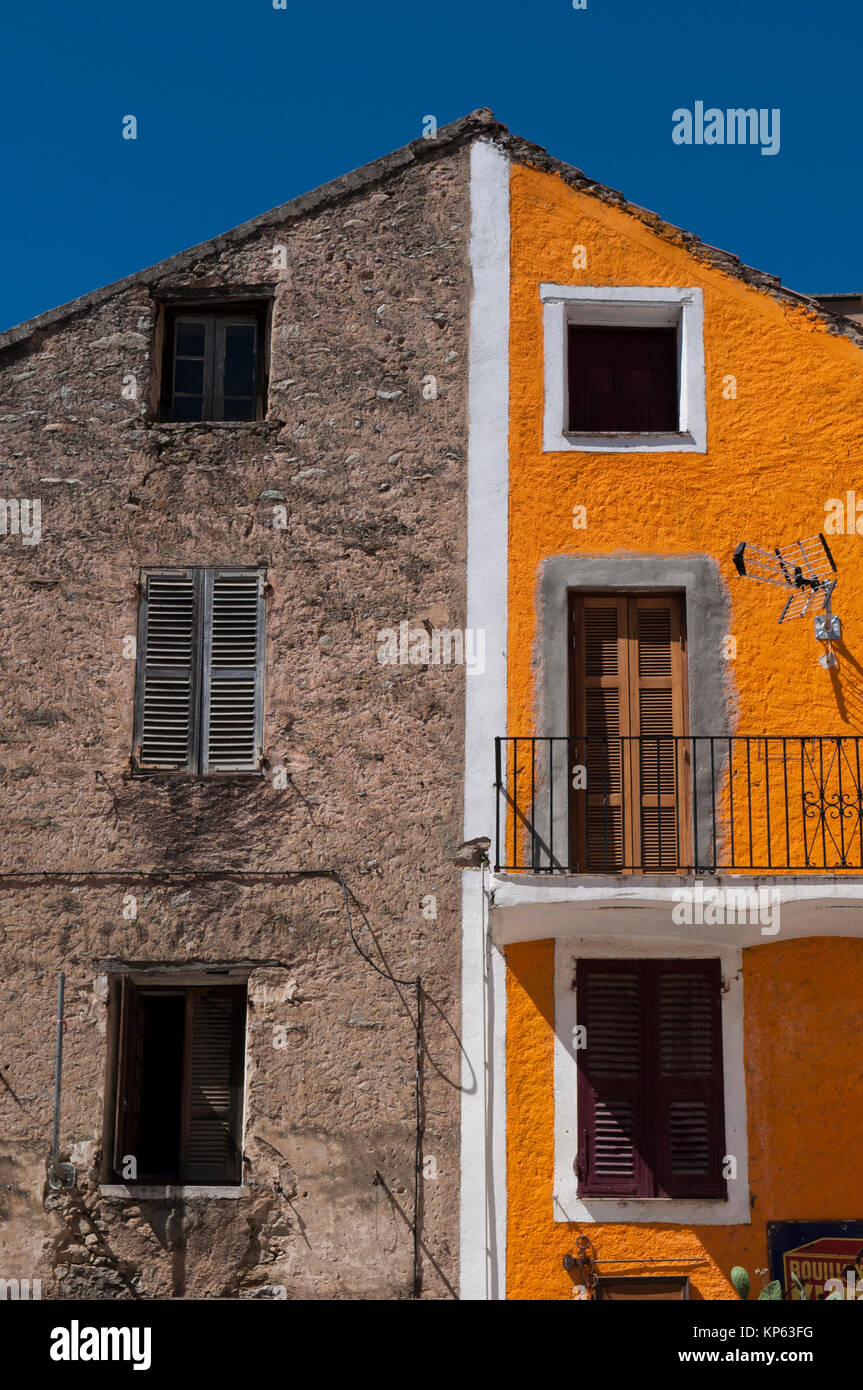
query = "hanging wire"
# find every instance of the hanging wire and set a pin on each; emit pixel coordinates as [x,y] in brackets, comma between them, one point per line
[211,875]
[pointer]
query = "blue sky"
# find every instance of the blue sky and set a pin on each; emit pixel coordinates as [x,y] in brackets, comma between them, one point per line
[241,106]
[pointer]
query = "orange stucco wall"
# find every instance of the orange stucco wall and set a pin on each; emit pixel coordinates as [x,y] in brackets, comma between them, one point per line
[804,1088]
[776,454]
[789,442]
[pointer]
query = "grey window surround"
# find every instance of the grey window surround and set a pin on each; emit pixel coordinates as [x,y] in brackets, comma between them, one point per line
[710,689]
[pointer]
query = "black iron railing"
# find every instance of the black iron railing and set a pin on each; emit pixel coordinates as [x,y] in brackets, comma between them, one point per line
[679,804]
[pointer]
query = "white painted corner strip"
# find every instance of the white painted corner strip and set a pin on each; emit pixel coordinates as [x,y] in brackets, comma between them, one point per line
[483,1111]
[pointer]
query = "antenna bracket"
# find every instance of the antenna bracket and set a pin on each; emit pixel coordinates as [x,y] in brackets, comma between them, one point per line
[828,627]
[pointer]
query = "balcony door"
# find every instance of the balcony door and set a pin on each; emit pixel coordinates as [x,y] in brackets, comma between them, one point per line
[628,721]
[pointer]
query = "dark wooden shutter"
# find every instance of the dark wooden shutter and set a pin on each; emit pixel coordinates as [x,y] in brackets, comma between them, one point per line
[191,373]
[215,1024]
[622,380]
[687,1079]
[213,370]
[610,1004]
[233,671]
[130,1063]
[235,378]
[168,671]
[650,1088]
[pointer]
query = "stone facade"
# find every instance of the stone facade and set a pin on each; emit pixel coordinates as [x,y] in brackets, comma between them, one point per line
[370,471]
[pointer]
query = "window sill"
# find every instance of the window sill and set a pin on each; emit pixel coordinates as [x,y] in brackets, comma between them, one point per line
[732,1210]
[624,306]
[204,426]
[131,1192]
[197,778]
[611,442]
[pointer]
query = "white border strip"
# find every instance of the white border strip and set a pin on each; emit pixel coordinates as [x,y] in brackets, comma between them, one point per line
[483,1109]
[629,305]
[488,477]
[483,1112]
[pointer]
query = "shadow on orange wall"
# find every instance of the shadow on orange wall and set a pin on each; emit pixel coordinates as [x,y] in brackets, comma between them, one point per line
[847,682]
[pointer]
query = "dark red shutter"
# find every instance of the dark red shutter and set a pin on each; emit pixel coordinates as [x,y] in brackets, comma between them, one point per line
[686,1086]
[610,1079]
[622,380]
[650,1091]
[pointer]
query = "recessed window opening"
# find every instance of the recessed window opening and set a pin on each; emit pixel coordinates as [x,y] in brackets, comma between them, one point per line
[180,1083]
[213,368]
[622,380]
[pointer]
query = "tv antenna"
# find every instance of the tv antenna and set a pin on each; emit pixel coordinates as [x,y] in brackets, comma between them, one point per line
[806,572]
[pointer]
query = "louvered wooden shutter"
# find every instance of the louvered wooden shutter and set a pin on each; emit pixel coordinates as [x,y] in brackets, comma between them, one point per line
[628,711]
[601,714]
[233,671]
[130,1063]
[689,1110]
[657,710]
[610,1004]
[200,682]
[168,673]
[213,1085]
[650,1089]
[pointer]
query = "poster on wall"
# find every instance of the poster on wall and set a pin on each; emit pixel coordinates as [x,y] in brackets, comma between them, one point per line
[816,1251]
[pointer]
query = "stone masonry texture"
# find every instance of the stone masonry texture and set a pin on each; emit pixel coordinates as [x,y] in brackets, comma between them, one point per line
[371,474]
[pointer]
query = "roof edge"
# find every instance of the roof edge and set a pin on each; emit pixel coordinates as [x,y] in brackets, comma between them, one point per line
[448,137]
[524,152]
[477,123]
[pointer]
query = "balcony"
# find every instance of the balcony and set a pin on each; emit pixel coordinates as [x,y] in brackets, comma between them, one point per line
[696,804]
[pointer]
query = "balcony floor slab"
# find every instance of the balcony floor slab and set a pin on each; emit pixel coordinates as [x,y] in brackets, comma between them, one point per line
[710,910]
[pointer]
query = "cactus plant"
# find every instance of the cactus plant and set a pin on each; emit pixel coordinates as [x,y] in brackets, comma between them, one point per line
[740,1280]
[772,1290]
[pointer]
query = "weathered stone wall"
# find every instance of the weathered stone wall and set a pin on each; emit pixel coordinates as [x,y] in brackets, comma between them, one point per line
[372,476]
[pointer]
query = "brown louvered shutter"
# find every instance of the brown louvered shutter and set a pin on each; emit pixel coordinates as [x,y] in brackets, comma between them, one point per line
[627,716]
[610,1004]
[233,671]
[213,1085]
[657,717]
[168,672]
[688,1098]
[600,715]
[130,1063]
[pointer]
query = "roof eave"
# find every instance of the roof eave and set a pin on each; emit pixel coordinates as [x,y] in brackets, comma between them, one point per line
[448,137]
[479,123]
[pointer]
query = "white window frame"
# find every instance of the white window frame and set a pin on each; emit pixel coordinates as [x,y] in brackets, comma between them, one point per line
[732,1210]
[627,306]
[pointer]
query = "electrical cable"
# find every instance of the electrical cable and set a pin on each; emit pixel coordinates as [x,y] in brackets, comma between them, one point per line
[210,875]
